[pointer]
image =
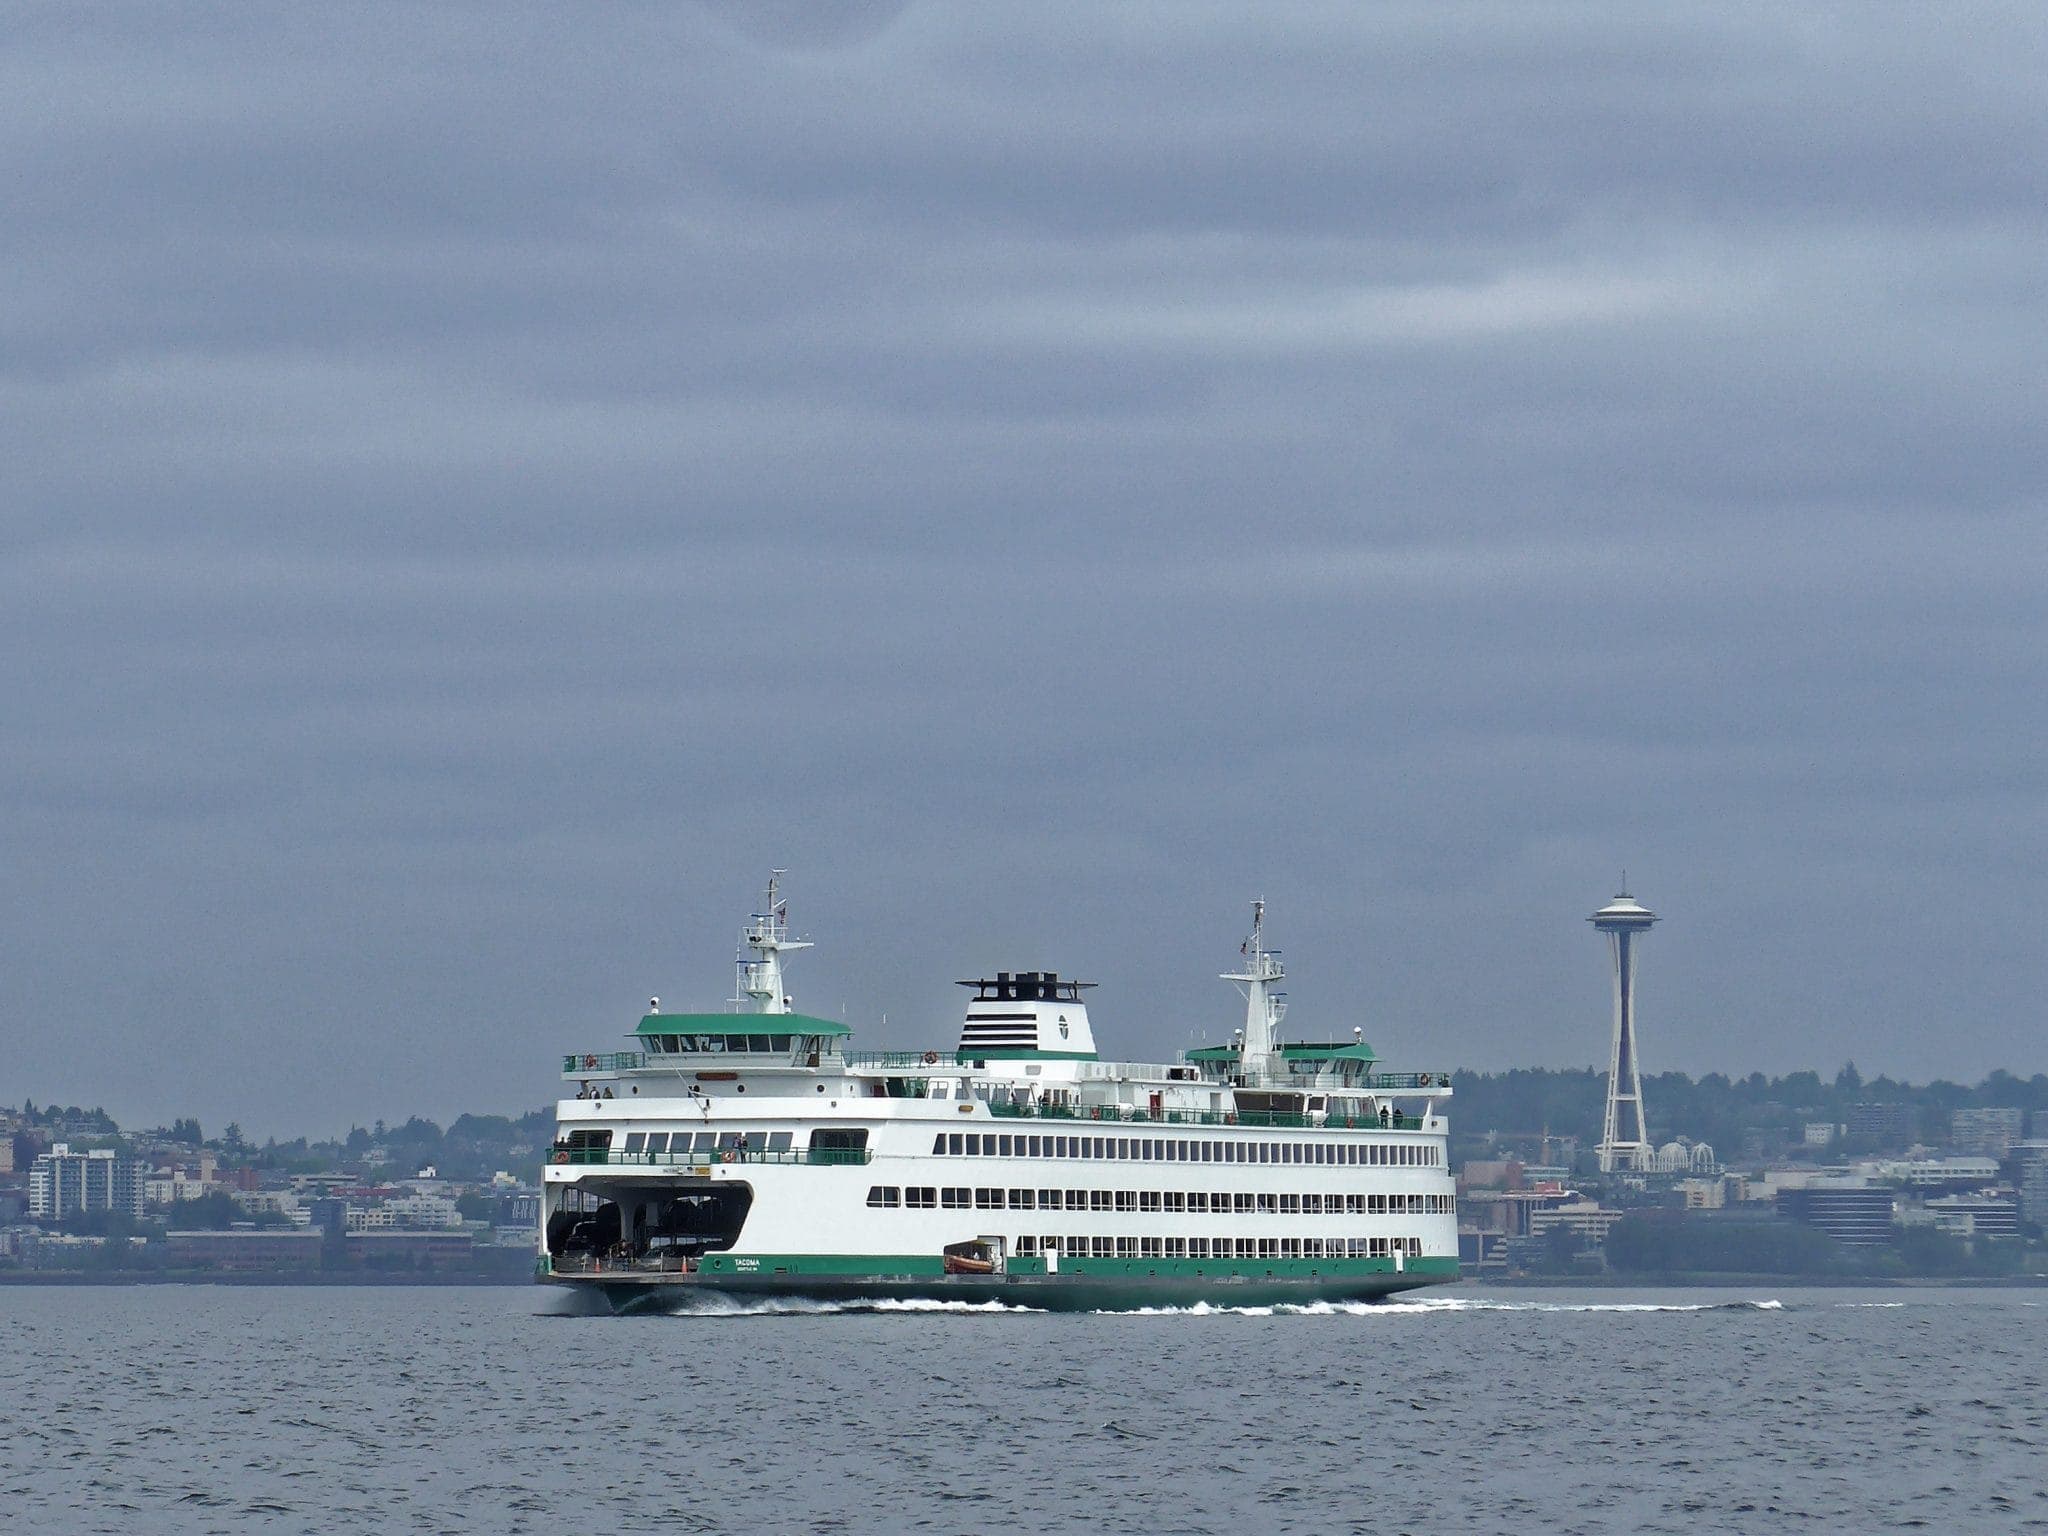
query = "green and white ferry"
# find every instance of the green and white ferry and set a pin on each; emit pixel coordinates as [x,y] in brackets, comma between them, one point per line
[751,1153]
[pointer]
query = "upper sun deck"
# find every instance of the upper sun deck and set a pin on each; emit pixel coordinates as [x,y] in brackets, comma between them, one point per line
[1026,1044]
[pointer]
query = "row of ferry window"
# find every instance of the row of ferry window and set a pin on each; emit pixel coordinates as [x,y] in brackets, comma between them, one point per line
[707,1141]
[926,1197]
[1173,1149]
[1223,1247]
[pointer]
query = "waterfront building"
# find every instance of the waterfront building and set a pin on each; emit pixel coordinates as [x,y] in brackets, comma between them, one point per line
[1987,1132]
[1624,1135]
[246,1250]
[64,1183]
[1934,1172]
[407,1213]
[1993,1216]
[1883,1125]
[1589,1219]
[1853,1212]
[2033,1161]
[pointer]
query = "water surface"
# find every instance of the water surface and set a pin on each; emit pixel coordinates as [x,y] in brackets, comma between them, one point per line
[202,1409]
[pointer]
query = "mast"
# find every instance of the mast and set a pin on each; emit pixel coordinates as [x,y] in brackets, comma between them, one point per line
[1258,1052]
[767,935]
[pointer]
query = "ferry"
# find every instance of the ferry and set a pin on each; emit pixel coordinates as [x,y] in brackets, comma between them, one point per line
[751,1153]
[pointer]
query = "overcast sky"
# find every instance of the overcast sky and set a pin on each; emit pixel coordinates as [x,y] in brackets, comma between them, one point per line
[480,485]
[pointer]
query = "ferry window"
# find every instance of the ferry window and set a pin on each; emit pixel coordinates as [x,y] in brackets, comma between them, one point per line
[1145,1149]
[954,1198]
[1175,1200]
[1099,1247]
[705,1141]
[657,1141]
[756,1140]
[1148,1200]
[1126,1200]
[1098,1199]
[1127,1247]
[953,1143]
[988,1199]
[1023,1200]
[920,1197]
[636,1141]
[1176,1247]
[1290,1247]
[732,1141]
[778,1141]
[1031,1144]
[1245,1247]
[1198,1200]
[1290,1205]
[1003,1145]
[1269,1205]
[1241,1203]
[973,1145]
[1050,1199]
[1312,1248]
[1198,1247]
[1027,1247]
[939,1145]
[1059,1145]
[882,1195]
[1312,1205]
[1077,1199]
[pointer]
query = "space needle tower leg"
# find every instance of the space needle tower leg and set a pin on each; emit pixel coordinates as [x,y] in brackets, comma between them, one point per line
[1624,1136]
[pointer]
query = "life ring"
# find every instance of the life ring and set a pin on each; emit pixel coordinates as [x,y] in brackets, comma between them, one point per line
[1425,1079]
[931,1058]
[590,1061]
[561,1157]
[728,1157]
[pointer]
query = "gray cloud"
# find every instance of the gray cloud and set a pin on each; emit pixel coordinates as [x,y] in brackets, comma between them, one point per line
[480,486]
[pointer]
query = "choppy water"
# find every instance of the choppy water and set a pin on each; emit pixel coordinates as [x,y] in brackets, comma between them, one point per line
[238,1410]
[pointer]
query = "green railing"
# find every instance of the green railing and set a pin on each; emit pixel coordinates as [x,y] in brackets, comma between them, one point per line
[603,1061]
[814,1157]
[904,1061]
[1125,1115]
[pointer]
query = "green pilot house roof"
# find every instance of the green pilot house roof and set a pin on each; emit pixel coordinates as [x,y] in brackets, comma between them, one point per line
[751,1025]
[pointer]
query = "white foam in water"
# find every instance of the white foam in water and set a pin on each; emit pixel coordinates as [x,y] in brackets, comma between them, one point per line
[797,1306]
[791,1306]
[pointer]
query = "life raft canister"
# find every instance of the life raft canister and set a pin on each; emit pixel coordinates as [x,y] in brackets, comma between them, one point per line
[931,1058]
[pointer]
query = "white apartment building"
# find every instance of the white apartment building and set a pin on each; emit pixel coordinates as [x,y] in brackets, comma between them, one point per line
[64,1183]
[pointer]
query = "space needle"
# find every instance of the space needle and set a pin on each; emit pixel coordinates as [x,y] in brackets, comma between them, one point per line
[1624,1137]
